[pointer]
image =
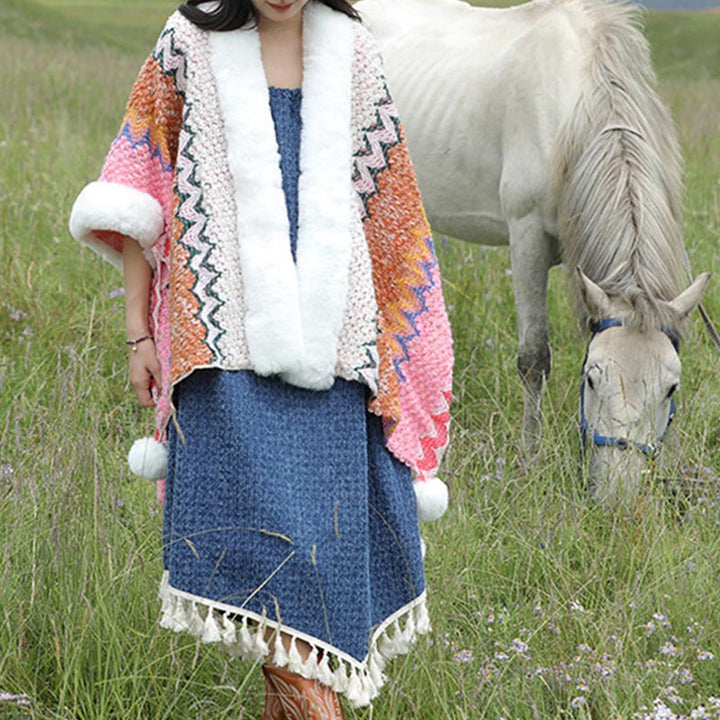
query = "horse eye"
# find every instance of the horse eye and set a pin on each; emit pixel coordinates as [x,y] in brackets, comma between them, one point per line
[592,376]
[671,391]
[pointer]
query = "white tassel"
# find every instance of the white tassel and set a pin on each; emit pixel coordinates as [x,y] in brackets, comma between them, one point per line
[369,691]
[295,663]
[340,679]
[246,640]
[401,641]
[280,657]
[373,694]
[260,649]
[196,623]
[432,499]
[166,622]
[168,609]
[165,599]
[354,690]
[423,619]
[164,589]
[410,626]
[324,672]
[312,662]
[211,631]
[375,670]
[179,617]
[148,459]
[229,632]
[386,647]
[392,646]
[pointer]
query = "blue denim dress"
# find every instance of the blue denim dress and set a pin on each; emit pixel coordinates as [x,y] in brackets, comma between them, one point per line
[284,503]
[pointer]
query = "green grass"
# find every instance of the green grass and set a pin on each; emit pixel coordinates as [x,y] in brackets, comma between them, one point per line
[537,597]
[131,25]
[685,44]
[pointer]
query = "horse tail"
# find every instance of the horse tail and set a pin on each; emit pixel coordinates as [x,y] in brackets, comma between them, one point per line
[616,169]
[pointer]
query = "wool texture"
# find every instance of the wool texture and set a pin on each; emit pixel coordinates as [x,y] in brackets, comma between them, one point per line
[284,507]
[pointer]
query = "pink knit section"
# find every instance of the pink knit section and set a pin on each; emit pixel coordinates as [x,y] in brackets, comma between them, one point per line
[160,326]
[420,437]
[139,167]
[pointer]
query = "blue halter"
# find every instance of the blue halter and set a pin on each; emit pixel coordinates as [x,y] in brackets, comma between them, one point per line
[621,443]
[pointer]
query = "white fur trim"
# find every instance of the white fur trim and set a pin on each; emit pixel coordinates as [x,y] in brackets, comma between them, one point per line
[242,633]
[148,459]
[432,499]
[272,321]
[294,314]
[122,209]
[325,192]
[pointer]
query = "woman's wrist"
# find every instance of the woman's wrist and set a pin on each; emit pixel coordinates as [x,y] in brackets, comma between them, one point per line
[133,341]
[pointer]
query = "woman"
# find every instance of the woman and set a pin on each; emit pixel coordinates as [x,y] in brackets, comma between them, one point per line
[285,316]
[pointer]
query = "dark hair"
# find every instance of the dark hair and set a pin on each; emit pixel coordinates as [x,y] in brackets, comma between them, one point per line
[234,14]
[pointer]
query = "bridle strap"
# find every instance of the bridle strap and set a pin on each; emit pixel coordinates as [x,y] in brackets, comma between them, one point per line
[599,440]
[600,325]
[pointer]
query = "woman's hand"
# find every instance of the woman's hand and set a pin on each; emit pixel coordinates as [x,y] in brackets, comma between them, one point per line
[145,375]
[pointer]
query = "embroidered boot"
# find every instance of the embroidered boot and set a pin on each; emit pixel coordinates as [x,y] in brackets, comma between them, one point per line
[273,707]
[303,699]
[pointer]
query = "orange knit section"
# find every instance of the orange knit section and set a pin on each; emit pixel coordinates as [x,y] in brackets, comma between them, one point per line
[187,335]
[155,108]
[396,229]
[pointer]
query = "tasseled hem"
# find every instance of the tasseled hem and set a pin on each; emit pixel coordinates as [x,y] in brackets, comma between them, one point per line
[242,634]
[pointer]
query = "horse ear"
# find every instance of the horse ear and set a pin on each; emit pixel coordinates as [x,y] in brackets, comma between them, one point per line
[689,299]
[595,299]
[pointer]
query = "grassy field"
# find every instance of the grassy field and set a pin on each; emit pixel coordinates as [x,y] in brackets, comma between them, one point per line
[544,607]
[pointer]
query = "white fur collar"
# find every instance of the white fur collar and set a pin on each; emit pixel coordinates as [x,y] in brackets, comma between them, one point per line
[294,313]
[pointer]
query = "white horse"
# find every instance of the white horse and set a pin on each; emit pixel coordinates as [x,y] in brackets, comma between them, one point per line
[538,126]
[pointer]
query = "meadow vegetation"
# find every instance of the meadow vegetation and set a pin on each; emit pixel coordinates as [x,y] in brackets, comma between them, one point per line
[544,607]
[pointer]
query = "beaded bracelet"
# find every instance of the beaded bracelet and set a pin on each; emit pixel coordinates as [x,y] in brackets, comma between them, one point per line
[134,343]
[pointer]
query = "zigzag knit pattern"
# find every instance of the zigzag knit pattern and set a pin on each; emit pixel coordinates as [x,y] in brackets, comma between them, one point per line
[144,151]
[379,138]
[419,282]
[193,250]
[415,344]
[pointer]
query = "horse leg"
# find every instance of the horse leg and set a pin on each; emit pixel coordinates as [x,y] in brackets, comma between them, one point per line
[532,254]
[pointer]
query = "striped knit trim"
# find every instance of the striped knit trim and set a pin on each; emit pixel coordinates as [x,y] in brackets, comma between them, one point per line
[242,634]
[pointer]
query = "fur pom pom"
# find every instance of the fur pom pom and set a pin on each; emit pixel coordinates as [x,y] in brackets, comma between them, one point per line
[432,499]
[148,459]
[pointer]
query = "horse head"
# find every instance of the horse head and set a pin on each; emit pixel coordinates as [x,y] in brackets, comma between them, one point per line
[630,376]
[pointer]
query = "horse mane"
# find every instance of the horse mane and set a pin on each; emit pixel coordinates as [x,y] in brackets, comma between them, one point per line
[617,178]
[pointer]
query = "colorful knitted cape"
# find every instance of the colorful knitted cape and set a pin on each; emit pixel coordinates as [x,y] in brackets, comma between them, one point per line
[193,176]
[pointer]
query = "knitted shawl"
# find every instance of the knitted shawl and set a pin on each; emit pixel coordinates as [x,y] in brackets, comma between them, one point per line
[193,176]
